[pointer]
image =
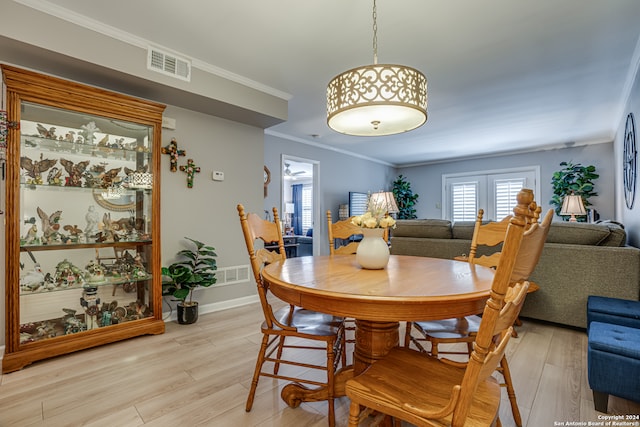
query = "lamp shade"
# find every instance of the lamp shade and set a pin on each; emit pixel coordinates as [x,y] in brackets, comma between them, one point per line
[573,205]
[289,208]
[377,100]
[383,201]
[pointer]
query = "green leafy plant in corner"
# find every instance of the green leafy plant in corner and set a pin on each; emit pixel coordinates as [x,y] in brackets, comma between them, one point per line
[195,267]
[405,198]
[573,178]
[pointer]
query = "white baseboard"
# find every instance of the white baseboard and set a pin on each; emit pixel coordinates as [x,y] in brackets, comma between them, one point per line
[216,306]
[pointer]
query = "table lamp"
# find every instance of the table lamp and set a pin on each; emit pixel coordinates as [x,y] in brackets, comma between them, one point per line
[289,210]
[384,200]
[572,205]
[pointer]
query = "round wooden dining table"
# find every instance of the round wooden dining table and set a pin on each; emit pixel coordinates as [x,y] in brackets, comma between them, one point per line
[409,289]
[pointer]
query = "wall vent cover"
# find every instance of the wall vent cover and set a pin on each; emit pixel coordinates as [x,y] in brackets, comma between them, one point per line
[169,64]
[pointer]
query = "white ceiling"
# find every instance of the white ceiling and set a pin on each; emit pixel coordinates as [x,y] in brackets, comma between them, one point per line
[503,75]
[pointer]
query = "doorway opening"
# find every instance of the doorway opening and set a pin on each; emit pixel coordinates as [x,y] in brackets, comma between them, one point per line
[300,202]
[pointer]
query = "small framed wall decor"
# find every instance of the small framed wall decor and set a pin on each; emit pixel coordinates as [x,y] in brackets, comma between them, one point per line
[267,179]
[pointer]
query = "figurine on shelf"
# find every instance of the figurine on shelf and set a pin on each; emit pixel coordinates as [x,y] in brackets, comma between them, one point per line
[95,272]
[53,177]
[75,171]
[110,177]
[49,134]
[68,274]
[104,141]
[72,325]
[173,152]
[108,230]
[35,168]
[88,132]
[32,235]
[75,233]
[50,226]
[33,279]
[91,304]
[92,221]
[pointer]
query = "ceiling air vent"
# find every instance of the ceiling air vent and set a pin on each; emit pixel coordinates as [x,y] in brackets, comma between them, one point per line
[169,64]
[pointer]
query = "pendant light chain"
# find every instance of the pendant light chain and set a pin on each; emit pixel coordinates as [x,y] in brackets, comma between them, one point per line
[377,100]
[375,34]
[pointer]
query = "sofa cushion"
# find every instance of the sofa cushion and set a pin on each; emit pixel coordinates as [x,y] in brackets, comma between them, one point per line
[577,233]
[617,237]
[463,229]
[429,228]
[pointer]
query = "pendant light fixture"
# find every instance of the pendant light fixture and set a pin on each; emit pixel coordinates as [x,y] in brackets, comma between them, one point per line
[378,99]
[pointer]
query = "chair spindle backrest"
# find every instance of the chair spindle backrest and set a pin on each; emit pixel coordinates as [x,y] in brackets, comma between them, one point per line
[490,235]
[255,228]
[505,301]
[342,230]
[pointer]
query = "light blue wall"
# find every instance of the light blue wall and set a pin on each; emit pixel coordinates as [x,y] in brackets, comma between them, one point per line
[426,181]
[339,174]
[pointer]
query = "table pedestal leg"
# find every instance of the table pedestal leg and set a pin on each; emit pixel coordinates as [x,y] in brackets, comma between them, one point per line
[373,342]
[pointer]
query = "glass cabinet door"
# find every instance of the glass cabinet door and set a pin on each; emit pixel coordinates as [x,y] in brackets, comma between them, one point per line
[85,204]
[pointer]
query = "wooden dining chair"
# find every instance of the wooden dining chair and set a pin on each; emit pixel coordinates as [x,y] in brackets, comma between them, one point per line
[341,232]
[281,325]
[425,390]
[464,330]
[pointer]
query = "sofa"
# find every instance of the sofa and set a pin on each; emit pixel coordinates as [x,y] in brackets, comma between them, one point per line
[578,260]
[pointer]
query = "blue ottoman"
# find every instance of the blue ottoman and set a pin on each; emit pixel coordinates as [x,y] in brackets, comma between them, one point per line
[613,363]
[613,310]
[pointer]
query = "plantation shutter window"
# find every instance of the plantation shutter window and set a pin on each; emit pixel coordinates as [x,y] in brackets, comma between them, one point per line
[464,201]
[505,191]
[494,191]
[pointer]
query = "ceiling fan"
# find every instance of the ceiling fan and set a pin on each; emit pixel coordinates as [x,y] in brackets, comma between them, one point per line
[288,172]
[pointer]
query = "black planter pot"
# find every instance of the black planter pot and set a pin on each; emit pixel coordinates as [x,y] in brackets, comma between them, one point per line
[187,314]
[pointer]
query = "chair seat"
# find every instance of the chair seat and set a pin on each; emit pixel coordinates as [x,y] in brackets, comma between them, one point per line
[465,327]
[308,322]
[394,382]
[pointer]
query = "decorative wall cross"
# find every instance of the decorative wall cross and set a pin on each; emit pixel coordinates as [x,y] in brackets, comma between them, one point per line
[173,152]
[191,169]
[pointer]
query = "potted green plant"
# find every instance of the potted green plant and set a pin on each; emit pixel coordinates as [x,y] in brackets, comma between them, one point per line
[405,199]
[574,178]
[195,267]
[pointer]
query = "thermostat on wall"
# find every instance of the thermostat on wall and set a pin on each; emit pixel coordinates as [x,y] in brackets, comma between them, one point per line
[217,176]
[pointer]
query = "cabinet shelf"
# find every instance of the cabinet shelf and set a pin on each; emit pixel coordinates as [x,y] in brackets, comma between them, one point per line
[55,146]
[57,247]
[82,241]
[113,281]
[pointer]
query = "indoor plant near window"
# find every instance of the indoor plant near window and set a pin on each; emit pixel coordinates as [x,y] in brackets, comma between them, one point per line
[574,178]
[195,267]
[404,198]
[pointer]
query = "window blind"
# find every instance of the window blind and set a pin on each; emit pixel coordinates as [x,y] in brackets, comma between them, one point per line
[505,192]
[464,201]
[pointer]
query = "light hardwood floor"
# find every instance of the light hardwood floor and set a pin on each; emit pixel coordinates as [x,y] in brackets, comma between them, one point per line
[199,375]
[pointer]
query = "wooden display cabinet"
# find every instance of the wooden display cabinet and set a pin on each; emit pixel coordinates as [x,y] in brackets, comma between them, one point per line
[82,224]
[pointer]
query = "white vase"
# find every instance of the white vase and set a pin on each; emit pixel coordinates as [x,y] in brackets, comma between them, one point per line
[373,251]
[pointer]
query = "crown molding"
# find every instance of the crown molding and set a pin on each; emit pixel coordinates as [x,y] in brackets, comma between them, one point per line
[125,37]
